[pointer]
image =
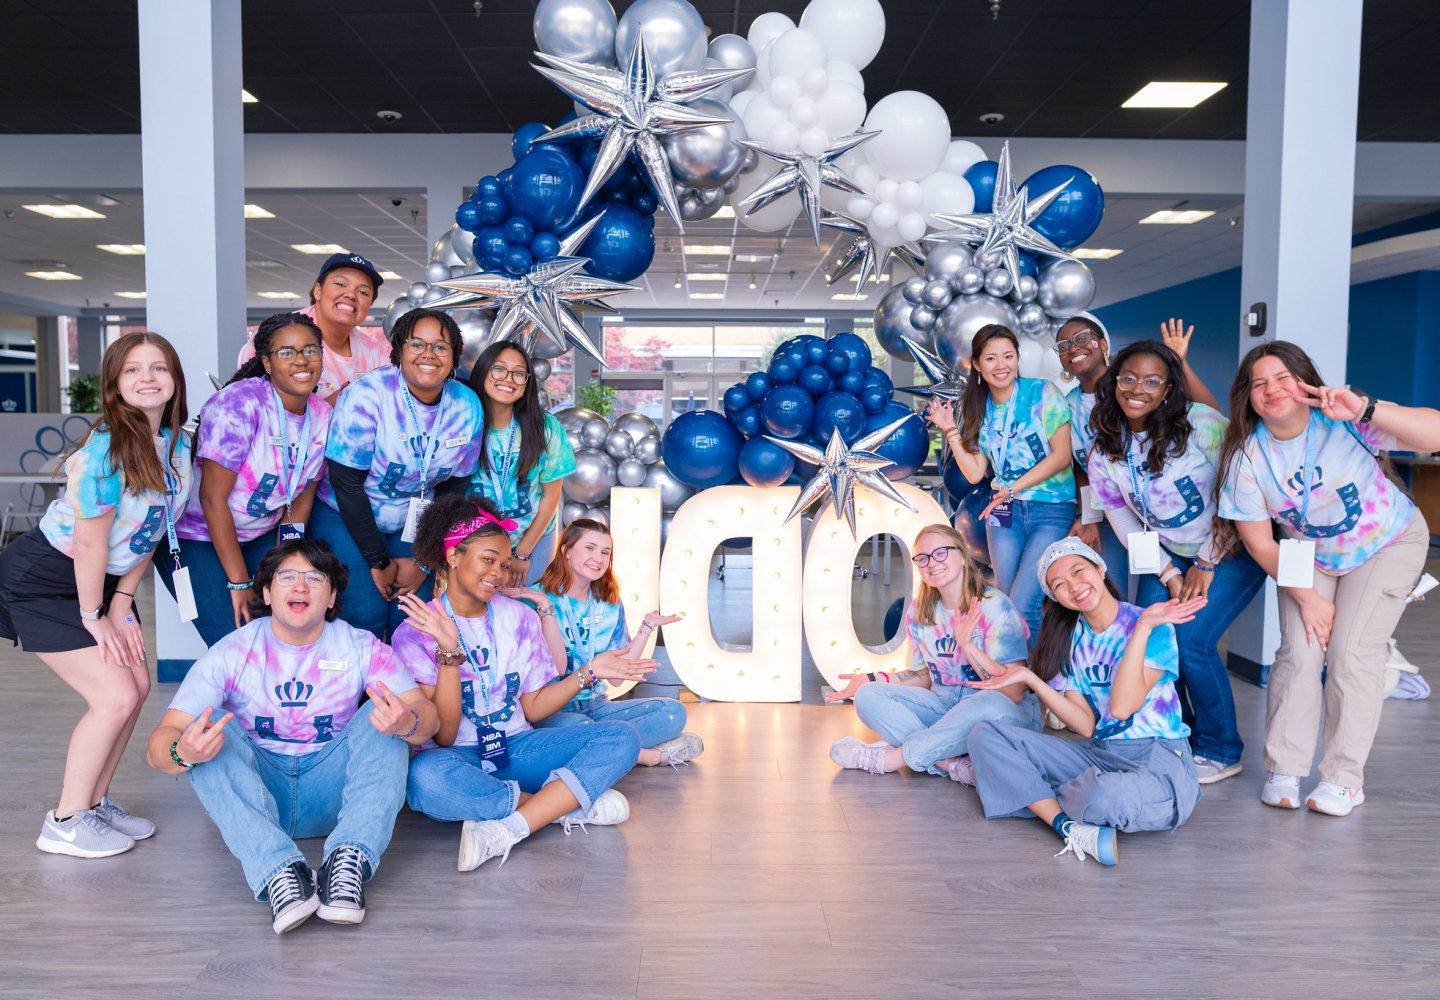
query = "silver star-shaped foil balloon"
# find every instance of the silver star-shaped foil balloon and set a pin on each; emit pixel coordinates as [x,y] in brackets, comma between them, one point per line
[805,175]
[1006,227]
[945,382]
[842,468]
[633,110]
[863,252]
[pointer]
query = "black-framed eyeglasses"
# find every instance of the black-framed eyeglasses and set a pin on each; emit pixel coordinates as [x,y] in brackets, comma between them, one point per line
[1085,338]
[1152,383]
[290,577]
[517,375]
[416,346]
[939,555]
[309,352]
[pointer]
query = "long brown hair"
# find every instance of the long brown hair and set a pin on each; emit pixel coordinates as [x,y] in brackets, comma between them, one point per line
[527,413]
[556,578]
[132,446]
[977,390]
[928,597]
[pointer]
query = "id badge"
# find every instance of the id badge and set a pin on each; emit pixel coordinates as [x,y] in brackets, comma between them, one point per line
[1089,513]
[1144,549]
[291,532]
[1002,515]
[494,746]
[412,518]
[184,594]
[1297,563]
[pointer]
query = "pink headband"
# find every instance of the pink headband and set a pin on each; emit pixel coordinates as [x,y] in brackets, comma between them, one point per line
[465,529]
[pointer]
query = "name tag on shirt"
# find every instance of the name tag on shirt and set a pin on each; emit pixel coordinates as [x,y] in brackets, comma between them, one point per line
[455,442]
[275,440]
[412,518]
[494,746]
[1002,515]
[1089,513]
[185,594]
[291,532]
[338,666]
[1144,549]
[1297,563]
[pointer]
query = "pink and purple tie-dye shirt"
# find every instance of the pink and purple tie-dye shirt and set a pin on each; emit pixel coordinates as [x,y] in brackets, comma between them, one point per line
[999,631]
[507,658]
[1090,670]
[290,700]
[1355,510]
[240,431]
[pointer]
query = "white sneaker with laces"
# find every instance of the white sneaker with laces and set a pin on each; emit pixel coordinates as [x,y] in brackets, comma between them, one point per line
[610,808]
[1334,800]
[481,840]
[681,750]
[962,771]
[1281,791]
[851,754]
[1209,771]
[1086,838]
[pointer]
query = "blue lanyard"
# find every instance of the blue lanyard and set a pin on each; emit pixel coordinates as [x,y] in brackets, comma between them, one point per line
[1306,470]
[480,667]
[1142,497]
[501,472]
[294,456]
[429,444]
[1003,447]
[172,489]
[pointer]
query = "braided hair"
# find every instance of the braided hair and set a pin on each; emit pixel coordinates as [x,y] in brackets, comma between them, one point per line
[271,325]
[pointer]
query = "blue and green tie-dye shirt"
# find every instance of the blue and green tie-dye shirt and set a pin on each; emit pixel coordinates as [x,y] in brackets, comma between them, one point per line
[499,482]
[589,628]
[1040,411]
[999,631]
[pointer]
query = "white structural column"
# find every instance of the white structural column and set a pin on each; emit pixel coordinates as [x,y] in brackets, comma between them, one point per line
[193,169]
[1299,193]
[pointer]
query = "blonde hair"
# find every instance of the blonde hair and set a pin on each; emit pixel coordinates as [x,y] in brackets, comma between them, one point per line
[929,597]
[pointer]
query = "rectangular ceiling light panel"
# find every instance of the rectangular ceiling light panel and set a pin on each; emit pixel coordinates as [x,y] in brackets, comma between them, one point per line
[1172,94]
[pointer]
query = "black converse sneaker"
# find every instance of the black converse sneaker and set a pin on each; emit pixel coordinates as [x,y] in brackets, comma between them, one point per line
[292,897]
[342,893]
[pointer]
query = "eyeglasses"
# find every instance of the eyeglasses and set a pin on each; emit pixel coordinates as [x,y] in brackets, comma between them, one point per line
[309,352]
[1082,339]
[290,577]
[939,555]
[517,375]
[1152,383]
[439,348]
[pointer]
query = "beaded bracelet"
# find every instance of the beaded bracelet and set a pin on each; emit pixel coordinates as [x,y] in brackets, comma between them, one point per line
[411,731]
[175,756]
[239,586]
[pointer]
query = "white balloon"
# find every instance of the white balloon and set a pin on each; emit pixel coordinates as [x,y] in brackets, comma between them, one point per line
[911,226]
[946,193]
[914,135]
[961,156]
[859,207]
[795,53]
[815,82]
[1050,366]
[760,117]
[885,216]
[766,28]
[1032,358]
[851,30]
[885,236]
[783,91]
[762,66]
[841,108]
[909,195]
[887,189]
[813,141]
[785,136]
[774,216]
[804,112]
[741,101]
[865,175]
[845,73]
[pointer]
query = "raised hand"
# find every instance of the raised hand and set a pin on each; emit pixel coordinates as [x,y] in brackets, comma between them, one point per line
[1015,673]
[1343,403]
[854,683]
[613,665]
[202,740]
[390,715]
[1172,612]
[962,623]
[535,597]
[940,413]
[431,619]
[655,619]
[1177,336]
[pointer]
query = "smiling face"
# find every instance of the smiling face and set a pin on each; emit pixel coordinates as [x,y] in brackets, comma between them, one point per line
[427,369]
[1077,583]
[343,297]
[1082,351]
[998,362]
[477,568]
[296,376]
[937,573]
[1141,385]
[146,381]
[502,387]
[1273,391]
[299,595]
[589,557]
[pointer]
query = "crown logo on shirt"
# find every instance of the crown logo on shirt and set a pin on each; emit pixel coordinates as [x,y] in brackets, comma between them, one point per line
[294,693]
[1297,481]
[945,645]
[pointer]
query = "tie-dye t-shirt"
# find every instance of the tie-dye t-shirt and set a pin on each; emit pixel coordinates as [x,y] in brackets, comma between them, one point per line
[1081,404]
[507,658]
[1040,411]
[289,699]
[999,631]
[1180,498]
[94,486]
[1090,670]
[240,431]
[589,628]
[500,484]
[1355,511]
[369,349]
[371,429]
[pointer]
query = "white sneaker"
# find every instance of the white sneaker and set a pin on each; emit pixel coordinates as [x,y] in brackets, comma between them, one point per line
[610,808]
[681,750]
[851,754]
[962,771]
[84,835]
[1334,800]
[1098,842]
[1281,791]
[1209,771]
[481,840]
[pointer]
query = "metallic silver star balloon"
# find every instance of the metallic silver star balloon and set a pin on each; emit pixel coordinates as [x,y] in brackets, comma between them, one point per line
[862,252]
[633,110]
[841,469]
[805,175]
[1006,228]
[945,382]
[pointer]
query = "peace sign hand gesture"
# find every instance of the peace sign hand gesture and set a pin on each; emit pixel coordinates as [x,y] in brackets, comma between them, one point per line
[1343,404]
[1177,336]
[390,715]
[431,620]
[202,740]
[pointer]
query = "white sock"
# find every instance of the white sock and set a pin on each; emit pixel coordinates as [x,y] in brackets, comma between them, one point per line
[516,824]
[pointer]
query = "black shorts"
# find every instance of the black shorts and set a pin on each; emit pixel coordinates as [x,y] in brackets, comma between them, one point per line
[39,606]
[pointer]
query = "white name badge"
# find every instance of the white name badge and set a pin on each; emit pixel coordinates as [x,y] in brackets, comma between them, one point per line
[1089,513]
[1144,547]
[412,518]
[455,442]
[336,665]
[1297,563]
[184,594]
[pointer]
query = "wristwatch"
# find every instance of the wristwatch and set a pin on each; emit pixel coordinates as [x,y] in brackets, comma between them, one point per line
[1364,418]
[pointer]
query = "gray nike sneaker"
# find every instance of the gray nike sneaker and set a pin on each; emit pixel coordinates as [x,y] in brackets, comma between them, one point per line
[84,835]
[123,820]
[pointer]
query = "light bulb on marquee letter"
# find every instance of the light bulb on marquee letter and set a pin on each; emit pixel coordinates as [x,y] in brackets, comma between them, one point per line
[635,535]
[770,669]
[830,629]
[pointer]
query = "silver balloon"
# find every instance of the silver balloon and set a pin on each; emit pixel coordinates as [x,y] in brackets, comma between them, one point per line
[581,30]
[706,157]
[1067,288]
[937,294]
[665,521]
[892,324]
[914,289]
[733,52]
[922,317]
[647,449]
[593,477]
[672,491]
[752,160]
[458,270]
[417,291]
[398,308]
[540,370]
[989,261]
[572,418]
[1026,288]
[436,272]
[637,425]
[574,438]
[434,292]
[542,396]
[475,336]
[619,445]
[443,250]
[463,243]
[547,349]
[999,282]
[962,319]
[594,432]
[968,280]
[631,472]
[600,514]
[674,35]
[947,258]
[571,511]
[733,183]
[1033,322]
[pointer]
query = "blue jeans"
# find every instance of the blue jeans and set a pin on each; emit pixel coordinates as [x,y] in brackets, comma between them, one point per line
[453,784]
[1015,551]
[1117,559]
[654,720]
[361,605]
[540,556]
[1206,700]
[350,788]
[208,579]
[933,724]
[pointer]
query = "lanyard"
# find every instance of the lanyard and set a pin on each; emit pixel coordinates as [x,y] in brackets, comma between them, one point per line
[295,456]
[172,489]
[1142,497]
[429,444]
[460,634]
[1003,447]
[1306,473]
[501,471]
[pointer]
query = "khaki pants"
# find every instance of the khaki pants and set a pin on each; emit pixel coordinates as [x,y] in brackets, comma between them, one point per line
[1368,602]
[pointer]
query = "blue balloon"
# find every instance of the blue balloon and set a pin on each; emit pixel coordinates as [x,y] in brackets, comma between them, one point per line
[645,203]
[837,362]
[545,188]
[1070,219]
[816,350]
[518,260]
[795,354]
[493,210]
[838,411]
[893,614]
[525,135]
[874,399]
[758,384]
[787,411]
[736,398]
[490,244]
[1028,264]
[851,382]
[545,245]
[856,349]
[877,376]
[519,232]
[467,216]
[701,449]
[956,485]
[747,420]
[486,187]
[783,370]
[982,180]
[621,246]
[504,178]
[970,525]
[763,463]
[908,447]
[804,469]
[815,380]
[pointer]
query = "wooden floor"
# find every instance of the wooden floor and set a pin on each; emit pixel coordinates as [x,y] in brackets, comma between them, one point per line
[760,871]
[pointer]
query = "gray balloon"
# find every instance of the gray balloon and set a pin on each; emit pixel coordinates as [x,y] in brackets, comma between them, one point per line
[475,336]
[547,348]
[892,325]
[574,438]
[723,92]
[989,261]
[914,290]
[540,370]
[631,472]
[707,157]
[968,280]
[1033,321]
[733,52]
[463,243]
[593,432]
[443,250]
[434,292]
[937,294]
[665,522]
[999,282]
[733,182]
[398,308]
[947,258]
[1067,287]
[542,396]
[922,317]
[572,418]
[417,291]
[637,425]
[672,491]
[647,449]
[619,445]
[582,30]
[436,272]
[593,477]
[600,514]
[674,35]
[571,511]
[1026,288]
[958,324]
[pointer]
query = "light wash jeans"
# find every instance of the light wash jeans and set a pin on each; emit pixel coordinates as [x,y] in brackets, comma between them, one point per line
[540,556]
[1015,551]
[1117,559]
[933,724]
[654,720]
[350,788]
[208,580]
[453,784]
[361,605]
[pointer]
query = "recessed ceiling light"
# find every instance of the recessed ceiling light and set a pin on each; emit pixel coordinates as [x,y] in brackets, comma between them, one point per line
[65,211]
[849,297]
[256,212]
[726,212]
[279,295]
[131,295]
[1172,94]
[53,275]
[1100,253]
[707,295]
[754,258]
[389,276]
[122,249]
[705,276]
[248,98]
[708,249]
[318,248]
[1175,217]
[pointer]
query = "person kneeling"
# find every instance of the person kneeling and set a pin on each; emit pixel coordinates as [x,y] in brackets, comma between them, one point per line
[482,658]
[308,763]
[1107,669]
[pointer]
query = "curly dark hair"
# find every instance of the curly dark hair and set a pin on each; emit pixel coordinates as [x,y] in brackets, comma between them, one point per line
[317,554]
[527,412]
[404,329]
[441,517]
[1168,425]
[269,326]
[977,390]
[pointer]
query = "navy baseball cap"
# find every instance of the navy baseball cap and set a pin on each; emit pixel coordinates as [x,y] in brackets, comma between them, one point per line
[339,260]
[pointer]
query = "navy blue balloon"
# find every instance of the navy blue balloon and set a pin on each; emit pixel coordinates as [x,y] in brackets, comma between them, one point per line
[487,186]
[876,376]
[795,354]
[490,244]
[493,210]
[645,203]
[504,178]
[851,382]
[956,485]
[837,363]
[1028,264]
[518,260]
[783,370]
[545,246]
[467,216]
[788,411]
[701,449]
[621,246]
[970,525]
[747,420]
[856,349]
[763,463]
[784,346]
[545,188]
[893,614]
[838,411]
[908,447]
[525,135]
[1070,219]
[816,350]
[815,380]
[519,232]
[874,399]
[982,181]
[736,398]
[758,384]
